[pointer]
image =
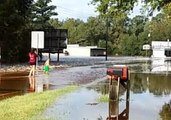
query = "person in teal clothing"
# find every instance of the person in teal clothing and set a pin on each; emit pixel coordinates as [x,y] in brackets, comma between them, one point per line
[46,66]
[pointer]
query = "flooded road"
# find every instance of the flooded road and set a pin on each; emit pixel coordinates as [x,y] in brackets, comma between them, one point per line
[150,90]
[150,98]
[150,95]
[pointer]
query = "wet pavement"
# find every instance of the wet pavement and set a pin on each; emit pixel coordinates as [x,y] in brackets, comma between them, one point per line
[150,90]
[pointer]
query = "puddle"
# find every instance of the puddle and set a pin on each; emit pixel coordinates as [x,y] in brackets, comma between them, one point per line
[74,107]
[12,84]
[17,83]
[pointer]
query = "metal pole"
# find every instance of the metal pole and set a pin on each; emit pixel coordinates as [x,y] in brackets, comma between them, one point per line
[58,51]
[0,63]
[106,36]
[118,88]
[37,52]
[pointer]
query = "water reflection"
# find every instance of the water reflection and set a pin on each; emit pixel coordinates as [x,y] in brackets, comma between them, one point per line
[32,83]
[161,65]
[114,113]
[152,87]
[41,83]
[18,83]
[12,84]
[165,112]
[150,96]
[157,84]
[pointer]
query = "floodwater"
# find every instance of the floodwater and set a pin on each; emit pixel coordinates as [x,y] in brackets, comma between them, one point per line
[149,93]
[17,83]
[12,84]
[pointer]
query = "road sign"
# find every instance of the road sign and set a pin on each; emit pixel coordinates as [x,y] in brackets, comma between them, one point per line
[37,39]
[146,47]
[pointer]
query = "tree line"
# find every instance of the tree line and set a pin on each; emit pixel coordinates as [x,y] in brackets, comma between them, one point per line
[125,35]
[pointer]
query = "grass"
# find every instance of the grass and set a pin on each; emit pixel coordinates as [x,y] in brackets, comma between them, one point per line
[27,106]
[103,98]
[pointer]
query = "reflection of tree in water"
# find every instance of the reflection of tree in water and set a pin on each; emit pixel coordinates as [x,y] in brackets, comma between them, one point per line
[103,87]
[138,84]
[157,84]
[165,112]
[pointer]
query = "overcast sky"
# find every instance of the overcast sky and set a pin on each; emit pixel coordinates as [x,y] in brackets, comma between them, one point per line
[74,9]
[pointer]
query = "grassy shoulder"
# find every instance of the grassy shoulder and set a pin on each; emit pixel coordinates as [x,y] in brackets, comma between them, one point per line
[26,106]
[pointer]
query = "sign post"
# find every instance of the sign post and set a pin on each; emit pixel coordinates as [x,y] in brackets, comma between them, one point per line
[37,41]
[146,47]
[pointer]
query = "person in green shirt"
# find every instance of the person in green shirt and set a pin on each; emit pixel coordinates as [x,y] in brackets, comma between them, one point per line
[46,66]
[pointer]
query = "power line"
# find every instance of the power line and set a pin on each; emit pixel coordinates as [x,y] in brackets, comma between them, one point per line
[73,13]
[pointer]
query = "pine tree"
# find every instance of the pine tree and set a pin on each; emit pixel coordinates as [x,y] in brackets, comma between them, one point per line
[41,13]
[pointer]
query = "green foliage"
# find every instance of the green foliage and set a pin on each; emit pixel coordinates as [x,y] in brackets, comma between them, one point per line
[125,36]
[15,25]
[165,111]
[55,23]
[132,42]
[160,27]
[41,13]
[14,16]
[103,98]
[95,30]
[104,6]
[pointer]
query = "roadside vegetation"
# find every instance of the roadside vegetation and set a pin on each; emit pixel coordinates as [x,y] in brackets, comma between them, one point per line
[103,98]
[28,106]
[125,35]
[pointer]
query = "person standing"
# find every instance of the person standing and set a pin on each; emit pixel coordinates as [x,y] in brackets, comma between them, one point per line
[32,61]
[46,66]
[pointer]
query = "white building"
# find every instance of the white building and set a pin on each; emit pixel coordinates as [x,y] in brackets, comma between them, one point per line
[83,51]
[159,47]
[160,65]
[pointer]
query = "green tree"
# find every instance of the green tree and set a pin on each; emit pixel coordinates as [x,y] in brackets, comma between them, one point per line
[118,11]
[14,21]
[160,28]
[73,30]
[55,23]
[41,14]
[95,30]
[127,5]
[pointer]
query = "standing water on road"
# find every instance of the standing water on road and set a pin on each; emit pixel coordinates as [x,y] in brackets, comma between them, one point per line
[150,89]
[150,92]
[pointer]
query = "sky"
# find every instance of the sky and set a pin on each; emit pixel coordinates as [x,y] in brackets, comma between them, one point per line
[74,9]
[81,9]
